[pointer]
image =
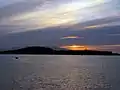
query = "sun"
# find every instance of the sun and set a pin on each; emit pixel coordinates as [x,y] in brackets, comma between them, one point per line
[75,47]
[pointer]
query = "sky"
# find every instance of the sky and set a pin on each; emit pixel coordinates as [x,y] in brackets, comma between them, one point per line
[93,24]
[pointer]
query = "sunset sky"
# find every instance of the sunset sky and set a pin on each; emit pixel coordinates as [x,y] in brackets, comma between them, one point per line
[91,24]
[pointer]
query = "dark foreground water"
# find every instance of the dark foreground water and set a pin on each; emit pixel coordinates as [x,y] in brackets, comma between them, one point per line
[59,72]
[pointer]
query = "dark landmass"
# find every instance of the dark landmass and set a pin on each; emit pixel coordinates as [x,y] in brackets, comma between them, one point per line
[50,51]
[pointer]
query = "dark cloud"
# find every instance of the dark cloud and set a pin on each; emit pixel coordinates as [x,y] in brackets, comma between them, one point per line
[19,8]
[24,7]
[106,20]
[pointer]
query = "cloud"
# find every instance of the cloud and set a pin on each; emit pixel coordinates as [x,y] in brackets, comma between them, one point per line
[32,14]
[116,34]
[72,37]
[17,8]
[43,22]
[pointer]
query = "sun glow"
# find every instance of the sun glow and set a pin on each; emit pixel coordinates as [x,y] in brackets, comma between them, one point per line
[75,47]
[90,47]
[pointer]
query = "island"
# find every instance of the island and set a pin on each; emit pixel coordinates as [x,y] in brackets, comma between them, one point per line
[49,51]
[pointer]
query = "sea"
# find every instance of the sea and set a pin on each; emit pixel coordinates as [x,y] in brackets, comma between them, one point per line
[59,72]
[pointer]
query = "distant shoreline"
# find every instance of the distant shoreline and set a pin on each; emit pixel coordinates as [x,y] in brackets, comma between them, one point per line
[49,51]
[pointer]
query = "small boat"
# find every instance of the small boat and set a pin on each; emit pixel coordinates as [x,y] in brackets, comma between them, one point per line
[16,57]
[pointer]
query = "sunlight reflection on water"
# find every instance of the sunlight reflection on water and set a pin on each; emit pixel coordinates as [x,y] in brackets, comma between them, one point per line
[59,73]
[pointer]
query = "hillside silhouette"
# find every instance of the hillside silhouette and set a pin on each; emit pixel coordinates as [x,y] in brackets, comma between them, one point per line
[50,51]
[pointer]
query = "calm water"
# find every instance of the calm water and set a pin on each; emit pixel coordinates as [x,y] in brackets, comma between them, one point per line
[59,72]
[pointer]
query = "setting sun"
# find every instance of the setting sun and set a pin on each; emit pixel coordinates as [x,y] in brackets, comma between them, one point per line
[75,47]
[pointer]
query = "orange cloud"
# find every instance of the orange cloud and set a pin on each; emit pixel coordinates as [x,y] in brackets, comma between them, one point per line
[71,37]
